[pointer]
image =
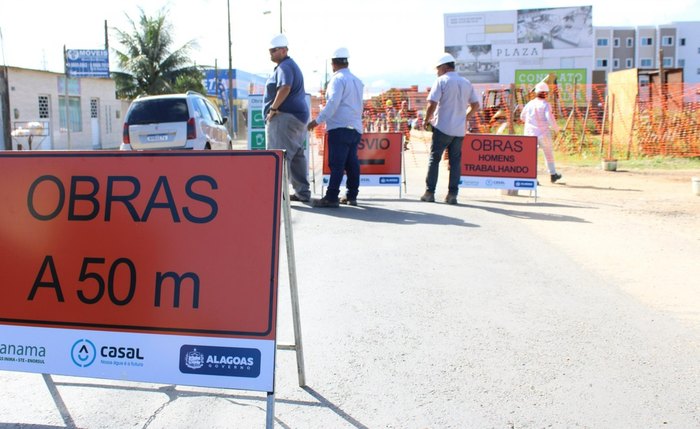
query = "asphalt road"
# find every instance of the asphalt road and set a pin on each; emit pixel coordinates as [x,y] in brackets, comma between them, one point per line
[426,315]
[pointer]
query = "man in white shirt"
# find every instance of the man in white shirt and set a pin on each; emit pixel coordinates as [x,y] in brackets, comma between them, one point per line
[447,116]
[343,117]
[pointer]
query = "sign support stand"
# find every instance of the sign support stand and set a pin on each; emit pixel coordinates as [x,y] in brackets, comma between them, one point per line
[403,165]
[291,262]
[270,414]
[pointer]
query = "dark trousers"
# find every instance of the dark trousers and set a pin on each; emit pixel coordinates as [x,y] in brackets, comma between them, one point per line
[342,159]
[453,145]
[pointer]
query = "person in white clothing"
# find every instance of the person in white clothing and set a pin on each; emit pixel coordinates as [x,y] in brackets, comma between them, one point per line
[538,118]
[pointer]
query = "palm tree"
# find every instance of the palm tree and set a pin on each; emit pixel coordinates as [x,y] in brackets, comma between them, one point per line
[149,64]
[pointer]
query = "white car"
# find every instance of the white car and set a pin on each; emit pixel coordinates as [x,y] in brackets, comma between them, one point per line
[174,121]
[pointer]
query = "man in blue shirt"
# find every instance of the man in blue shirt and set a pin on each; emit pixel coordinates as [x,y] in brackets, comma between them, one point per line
[343,117]
[447,113]
[286,114]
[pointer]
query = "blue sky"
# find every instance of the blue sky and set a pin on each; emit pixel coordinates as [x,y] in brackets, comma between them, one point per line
[392,44]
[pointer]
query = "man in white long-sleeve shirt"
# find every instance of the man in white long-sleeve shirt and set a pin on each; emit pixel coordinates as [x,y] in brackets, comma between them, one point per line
[538,118]
[343,117]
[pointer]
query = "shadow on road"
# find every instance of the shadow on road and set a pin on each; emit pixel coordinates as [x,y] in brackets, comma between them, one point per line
[368,212]
[522,214]
[173,393]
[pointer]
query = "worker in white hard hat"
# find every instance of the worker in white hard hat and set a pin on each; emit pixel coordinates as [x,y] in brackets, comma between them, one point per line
[343,117]
[286,114]
[539,120]
[451,101]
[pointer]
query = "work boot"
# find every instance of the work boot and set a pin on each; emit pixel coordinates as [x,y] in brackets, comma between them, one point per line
[323,202]
[451,199]
[554,177]
[428,197]
[348,201]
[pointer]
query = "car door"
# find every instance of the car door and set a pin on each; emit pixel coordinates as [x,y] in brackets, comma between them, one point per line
[221,133]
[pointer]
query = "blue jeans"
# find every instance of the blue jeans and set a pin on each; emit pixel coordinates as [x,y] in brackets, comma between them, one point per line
[442,141]
[342,159]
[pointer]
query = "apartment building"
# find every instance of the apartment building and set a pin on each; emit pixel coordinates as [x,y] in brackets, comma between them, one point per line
[675,45]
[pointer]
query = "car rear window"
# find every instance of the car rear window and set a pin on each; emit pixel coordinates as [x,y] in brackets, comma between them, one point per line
[158,111]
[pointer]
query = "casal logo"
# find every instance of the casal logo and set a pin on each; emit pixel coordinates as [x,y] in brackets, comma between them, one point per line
[83,353]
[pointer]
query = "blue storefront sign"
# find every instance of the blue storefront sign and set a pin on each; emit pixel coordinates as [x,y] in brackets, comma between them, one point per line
[87,63]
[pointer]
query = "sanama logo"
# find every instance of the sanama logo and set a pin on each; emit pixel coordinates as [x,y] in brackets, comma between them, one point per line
[83,353]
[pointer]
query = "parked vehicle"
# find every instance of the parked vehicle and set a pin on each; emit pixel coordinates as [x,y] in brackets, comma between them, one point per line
[174,121]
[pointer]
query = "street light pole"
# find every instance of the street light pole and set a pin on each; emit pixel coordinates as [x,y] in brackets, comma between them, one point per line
[281,17]
[230,73]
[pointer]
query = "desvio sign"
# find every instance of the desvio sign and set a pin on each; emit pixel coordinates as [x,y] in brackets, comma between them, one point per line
[380,159]
[106,252]
[499,161]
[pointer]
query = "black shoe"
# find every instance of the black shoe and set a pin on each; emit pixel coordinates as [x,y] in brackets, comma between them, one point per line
[428,197]
[350,202]
[295,197]
[555,177]
[326,203]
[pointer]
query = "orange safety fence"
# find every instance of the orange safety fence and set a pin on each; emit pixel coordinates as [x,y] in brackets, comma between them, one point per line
[612,121]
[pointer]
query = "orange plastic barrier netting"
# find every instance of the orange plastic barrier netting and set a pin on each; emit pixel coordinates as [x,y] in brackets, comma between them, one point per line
[615,122]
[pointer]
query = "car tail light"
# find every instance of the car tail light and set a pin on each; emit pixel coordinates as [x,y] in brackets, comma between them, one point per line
[191,130]
[125,134]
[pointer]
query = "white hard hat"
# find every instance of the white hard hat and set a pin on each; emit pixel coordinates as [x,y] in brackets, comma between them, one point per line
[446,58]
[541,87]
[279,41]
[341,53]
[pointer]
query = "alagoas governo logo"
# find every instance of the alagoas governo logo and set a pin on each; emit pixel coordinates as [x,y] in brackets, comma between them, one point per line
[225,361]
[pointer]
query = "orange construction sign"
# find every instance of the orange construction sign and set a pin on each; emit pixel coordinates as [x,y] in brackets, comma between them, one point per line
[380,159]
[180,243]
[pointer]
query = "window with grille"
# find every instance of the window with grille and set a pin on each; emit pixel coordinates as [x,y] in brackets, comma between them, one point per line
[93,108]
[108,119]
[43,107]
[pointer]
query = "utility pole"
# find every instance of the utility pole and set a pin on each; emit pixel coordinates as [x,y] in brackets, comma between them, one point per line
[66,103]
[230,73]
[5,127]
[281,17]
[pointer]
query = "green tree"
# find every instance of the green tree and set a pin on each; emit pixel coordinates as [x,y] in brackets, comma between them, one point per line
[149,64]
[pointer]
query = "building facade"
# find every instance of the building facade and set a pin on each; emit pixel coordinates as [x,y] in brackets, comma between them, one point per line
[675,45]
[40,118]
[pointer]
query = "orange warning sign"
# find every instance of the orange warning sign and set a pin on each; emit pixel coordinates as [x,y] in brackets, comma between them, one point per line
[379,153]
[499,155]
[165,242]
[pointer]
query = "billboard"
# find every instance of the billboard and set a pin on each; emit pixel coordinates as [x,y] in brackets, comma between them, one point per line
[87,63]
[490,46]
